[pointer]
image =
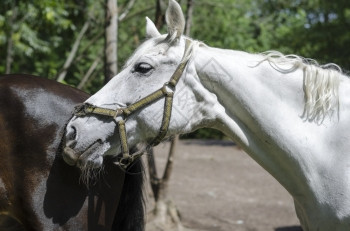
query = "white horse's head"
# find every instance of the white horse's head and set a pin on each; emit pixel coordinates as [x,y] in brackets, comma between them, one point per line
[90,136]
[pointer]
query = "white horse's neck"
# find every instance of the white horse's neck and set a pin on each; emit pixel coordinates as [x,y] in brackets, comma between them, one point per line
[264,114]
[253,98]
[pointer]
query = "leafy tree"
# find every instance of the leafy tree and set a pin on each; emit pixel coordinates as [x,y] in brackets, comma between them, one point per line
[36,37]
[315,29]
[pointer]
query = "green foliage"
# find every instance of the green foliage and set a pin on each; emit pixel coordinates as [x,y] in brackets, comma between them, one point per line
[315,29]
[42,32]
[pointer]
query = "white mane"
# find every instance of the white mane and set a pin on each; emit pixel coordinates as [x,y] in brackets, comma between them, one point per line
[321,83]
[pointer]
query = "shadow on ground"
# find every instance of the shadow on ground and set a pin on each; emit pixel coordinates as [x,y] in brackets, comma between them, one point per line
[289,228]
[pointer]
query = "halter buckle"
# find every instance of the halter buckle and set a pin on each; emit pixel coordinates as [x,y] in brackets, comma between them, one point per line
[124,162]
[81,109]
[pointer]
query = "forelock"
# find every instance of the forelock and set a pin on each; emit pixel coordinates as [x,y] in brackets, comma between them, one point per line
[156,45]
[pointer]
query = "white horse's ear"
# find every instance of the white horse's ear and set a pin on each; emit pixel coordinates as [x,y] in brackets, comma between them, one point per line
[175,19]
[151,29]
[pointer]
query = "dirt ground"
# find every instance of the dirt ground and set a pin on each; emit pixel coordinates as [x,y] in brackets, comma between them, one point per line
[218,187]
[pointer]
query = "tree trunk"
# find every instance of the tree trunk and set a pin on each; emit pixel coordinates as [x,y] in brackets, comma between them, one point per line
[160,13]
[126,10]
[189,17]
[88,73]
[9,48]
[73,53]
[111,32]
[166,216]
[160,185]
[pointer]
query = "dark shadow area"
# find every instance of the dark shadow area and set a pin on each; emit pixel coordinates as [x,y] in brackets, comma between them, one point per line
[205,133]
[9,223]
[289,228]
[65,194]
[209,142]
[67,198]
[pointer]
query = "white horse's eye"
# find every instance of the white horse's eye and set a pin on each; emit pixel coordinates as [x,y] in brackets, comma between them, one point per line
[142,68]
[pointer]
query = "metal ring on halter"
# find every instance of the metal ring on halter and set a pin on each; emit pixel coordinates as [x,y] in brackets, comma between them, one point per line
[168,86]
[119,115]
[125,161]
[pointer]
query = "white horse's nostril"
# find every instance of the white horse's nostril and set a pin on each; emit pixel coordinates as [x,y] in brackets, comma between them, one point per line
[71,133]
[71,143]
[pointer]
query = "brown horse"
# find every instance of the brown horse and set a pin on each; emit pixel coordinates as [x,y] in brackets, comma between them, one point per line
[38,190]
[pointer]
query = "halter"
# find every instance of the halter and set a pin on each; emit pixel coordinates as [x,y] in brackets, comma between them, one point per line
[120,115]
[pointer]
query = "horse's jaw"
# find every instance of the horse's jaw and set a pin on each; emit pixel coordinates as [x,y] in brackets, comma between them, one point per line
[86,149]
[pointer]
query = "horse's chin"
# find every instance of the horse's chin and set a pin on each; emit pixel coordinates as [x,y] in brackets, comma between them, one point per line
[91,162]
[90,158]
[91,170]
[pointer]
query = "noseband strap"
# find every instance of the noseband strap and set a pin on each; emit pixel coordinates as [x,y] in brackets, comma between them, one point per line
[120,115]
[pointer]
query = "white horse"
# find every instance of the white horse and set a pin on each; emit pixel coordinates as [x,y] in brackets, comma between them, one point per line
[290,115]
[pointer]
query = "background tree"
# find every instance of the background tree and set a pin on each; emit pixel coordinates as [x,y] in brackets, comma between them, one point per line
[111,35]
[165,212]
[165,215]
[37,36]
